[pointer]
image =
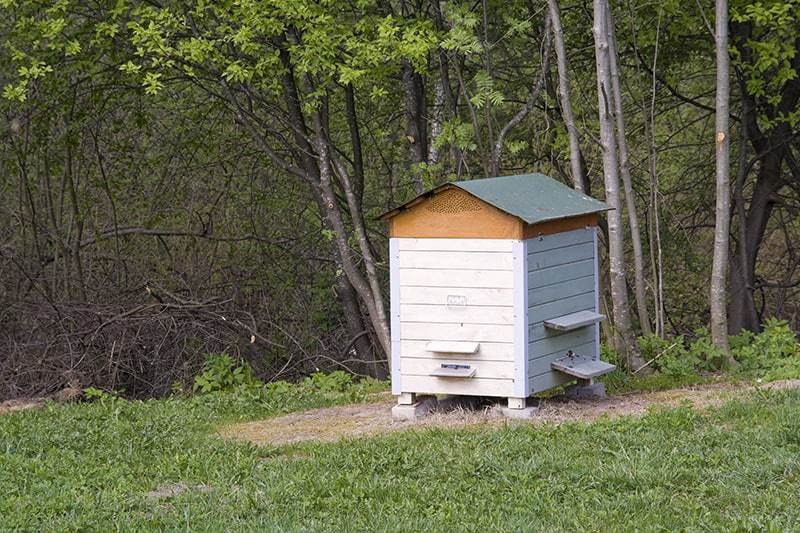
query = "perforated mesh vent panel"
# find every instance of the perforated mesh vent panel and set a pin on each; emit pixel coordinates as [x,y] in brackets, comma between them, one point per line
[453,201]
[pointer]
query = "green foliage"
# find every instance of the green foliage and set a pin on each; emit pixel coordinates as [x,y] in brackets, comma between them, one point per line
[669,356]
[457,133]
[486,91]
[221,373]
[670,374]
[92,393]
[772,354]
[331,385]
[98,466]
[708,356]
[337,381]
[769,63]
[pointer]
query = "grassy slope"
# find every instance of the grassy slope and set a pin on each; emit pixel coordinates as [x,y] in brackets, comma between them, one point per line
[90,466]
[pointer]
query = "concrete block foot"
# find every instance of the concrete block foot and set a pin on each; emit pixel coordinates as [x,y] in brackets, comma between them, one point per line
[526,413]
[413,411]
[586,391]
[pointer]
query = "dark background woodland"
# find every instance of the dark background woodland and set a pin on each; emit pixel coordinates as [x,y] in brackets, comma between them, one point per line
[178,179]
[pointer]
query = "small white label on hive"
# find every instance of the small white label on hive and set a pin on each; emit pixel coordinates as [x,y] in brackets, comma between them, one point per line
[456,300]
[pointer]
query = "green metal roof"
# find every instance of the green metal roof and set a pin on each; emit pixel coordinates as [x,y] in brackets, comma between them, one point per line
[534,198]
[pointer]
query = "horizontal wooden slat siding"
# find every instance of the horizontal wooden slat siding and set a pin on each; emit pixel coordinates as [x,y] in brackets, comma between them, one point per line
[483,369]
[477,276]
[463,386]
[456,332]
[557,291]
[456,260]
[541,365]
[561,281]
[459,245]
[559,240]
[560,343]
[560,273]
[487,351]
[547,381]
[420,277]
[561,256]
[474,296]
[565,306]
[470,314]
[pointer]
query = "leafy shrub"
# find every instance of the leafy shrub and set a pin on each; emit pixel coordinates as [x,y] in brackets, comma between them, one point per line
[221,373]
[669,356]
[618,378]
[336,381]
[93,393]
[772,354]
[281,390]
[709,356]
[333,385]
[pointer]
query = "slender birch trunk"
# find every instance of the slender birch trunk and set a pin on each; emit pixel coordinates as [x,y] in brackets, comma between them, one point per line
[578,177]
[624,165]
[437,122]
[625,340]
[717,295]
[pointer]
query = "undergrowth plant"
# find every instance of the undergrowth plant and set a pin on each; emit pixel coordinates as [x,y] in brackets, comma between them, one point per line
[770,355]
[222,373]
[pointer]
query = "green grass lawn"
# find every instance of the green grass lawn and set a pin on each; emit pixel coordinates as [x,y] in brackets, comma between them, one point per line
[91,466]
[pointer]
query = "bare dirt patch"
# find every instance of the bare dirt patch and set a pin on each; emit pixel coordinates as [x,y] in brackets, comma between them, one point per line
[354,421]
[10,406]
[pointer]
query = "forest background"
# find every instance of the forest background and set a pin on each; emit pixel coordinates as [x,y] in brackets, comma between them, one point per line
[188,178]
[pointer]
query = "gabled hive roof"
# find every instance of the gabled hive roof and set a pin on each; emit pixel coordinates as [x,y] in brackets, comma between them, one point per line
[533,198]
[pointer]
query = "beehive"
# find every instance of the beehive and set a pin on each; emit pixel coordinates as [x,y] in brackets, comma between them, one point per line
[494,289]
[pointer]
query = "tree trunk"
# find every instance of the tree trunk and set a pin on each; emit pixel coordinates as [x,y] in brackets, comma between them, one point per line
[630,200]
[416,128]
[743,311]
[771,153]
[719,269]
[578,176]
[625,340]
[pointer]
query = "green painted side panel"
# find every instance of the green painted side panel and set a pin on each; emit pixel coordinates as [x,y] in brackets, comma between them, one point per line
[557,291]
[560,273]
[532,197]
[559,240]
[560,343]
[561,281]
[548,381]
[561,256]
[565,306]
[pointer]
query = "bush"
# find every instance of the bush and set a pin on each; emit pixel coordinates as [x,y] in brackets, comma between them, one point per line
[222,374]
[669,356]
[772,354]
[331,385]
[337,381]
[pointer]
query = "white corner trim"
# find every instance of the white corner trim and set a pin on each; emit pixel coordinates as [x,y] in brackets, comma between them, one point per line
[394,309]
[596,296]
[520,262]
